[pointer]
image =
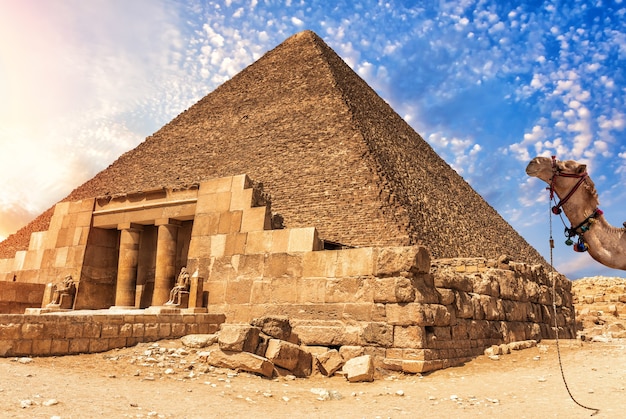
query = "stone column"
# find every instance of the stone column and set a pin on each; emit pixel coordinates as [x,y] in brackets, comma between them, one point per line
[130,235]
[165,271]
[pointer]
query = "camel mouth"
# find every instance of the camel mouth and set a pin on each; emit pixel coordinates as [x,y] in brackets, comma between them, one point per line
[532,168]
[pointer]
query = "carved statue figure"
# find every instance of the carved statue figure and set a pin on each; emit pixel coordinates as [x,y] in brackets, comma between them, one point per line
[63,293]
[579,201]
[182,284]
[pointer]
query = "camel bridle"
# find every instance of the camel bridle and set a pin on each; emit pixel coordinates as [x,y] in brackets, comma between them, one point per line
[556,172]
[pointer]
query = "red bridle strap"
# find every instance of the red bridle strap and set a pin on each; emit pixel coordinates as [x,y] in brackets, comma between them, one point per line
[555,172]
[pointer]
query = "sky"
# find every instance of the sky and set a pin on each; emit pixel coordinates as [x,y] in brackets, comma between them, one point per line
[489,84]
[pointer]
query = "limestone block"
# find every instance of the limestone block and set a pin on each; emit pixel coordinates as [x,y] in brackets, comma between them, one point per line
[512,287]
[283,290]
[288,355]
[453,280]
[238,337]
[463,305]
[486,284]
[280,241]
[249,266]
[311,290]
[379,334]
[256,219]
[319,264]
[348,352]
[393,290]
[261,292]
[409,337]
[359,369]
[425,291]
[355,262]
[352,289]
[240,182]
[199,341]
[259,242]
[217,292]
[243,361]
[515,311]
[205,224]
[238,291]
[218,245]
[37,240]
[241,199]
[303,240]
[391,261]
[433,315]
[329,362]
[446,296]
[283,265]
[333,334]
[277,327]
[229,222]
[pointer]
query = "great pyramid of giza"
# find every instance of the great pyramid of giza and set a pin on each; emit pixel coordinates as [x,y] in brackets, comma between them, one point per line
[331,153]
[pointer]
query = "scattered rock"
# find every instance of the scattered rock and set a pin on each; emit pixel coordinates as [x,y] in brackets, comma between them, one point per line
[199,341]
[359,369]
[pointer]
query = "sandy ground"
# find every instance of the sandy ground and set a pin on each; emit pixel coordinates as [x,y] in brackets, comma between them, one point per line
[166,380]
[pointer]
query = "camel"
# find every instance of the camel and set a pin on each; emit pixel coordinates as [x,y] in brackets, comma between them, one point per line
[579,201]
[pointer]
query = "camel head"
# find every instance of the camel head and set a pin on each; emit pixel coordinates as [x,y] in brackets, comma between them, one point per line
[544,168]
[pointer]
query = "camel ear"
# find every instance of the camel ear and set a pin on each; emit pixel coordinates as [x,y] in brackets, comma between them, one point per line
[581,168]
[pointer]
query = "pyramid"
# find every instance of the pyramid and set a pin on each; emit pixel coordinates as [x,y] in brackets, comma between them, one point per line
[331,153]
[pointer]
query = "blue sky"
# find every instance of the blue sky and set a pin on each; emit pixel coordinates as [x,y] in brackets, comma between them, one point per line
[489,84]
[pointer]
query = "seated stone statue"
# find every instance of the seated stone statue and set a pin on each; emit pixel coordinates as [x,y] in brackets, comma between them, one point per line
[182,285]
[63,293]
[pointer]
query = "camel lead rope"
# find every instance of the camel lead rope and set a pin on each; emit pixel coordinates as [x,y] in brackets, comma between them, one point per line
[556,323]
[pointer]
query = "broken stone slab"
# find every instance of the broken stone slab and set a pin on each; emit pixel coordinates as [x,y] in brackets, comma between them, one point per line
[290,357]
[240,361]
[199,341]
[359,369]
[277,327]
[329,362]
[238,337]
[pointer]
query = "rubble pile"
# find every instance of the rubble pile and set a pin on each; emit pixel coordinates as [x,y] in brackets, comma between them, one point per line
[600,304]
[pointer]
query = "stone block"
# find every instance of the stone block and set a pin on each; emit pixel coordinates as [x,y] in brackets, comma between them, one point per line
[261,292]
[409,337]
[238,338]
[284,354]
[348,290]
[419,367]
[199,341]
[218,245]
[283,265]
[311,290]
[319,264]
[278,327]
[230,222]
[241,199]
[329,362]
[379,334]
[217,292]
[303,240]
[243,361]
[238,291]
[256,219]
[355,262]
[280,240]
[348,352]
[359,369]
[205,224]
[283,290]
[393,290]
[392,261]
[259,241]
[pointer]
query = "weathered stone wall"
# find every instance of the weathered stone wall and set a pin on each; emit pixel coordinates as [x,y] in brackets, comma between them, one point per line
[409,315]
[600,307]
[74,333]
[15,297]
